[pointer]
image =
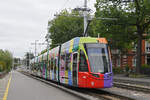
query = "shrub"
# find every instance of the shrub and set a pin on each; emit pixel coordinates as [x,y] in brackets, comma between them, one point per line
[117,70]
[5,60]
[145,69]
[137,75]
[1,68]
[129,69]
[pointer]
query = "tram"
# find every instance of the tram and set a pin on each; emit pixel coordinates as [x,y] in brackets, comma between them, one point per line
[83,62]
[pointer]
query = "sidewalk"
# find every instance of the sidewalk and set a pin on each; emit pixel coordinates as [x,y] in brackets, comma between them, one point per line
[2,74]
[3,85]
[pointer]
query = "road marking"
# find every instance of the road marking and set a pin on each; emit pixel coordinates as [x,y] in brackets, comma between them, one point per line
[6,91]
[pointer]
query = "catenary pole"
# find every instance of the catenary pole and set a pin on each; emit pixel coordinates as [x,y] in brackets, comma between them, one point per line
[85,16]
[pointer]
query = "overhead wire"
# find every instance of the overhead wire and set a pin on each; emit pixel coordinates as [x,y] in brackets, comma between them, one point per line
[64,4]
[71,2]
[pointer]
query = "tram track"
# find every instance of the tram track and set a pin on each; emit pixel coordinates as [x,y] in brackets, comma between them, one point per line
[86,94]
[104,95]
[134,87]
[134,82]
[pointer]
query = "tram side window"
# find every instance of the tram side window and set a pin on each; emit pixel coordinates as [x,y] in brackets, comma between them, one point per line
[41,66]
[44,63]
[38,66]
[63,62]
[55,60]
[49,66]
[83,66]
[51,63]
[68,61]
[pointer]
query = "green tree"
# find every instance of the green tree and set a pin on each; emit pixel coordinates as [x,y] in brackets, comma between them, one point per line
[65,27]
[5,60]
[117,28]
[133,19]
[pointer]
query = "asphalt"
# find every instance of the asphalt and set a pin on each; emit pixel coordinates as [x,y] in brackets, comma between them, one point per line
[25,88]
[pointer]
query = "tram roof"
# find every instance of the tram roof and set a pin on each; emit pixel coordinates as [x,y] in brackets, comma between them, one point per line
[79,40]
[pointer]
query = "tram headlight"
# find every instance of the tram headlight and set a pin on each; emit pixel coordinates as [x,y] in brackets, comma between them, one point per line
[84,77]
[92,83]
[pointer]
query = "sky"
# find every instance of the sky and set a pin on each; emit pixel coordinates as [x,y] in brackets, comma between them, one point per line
[24,21]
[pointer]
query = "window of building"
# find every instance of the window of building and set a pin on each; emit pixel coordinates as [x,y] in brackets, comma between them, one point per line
[134,61]
[148,60]
[118,61]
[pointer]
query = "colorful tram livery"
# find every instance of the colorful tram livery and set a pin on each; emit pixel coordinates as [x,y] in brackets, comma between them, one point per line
[81,62]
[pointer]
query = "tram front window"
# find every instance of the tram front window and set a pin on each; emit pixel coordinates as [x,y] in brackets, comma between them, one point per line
[98,57]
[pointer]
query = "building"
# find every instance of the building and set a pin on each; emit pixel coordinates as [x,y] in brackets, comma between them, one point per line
[129,59]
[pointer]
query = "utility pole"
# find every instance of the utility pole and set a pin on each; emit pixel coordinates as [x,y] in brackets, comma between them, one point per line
[35,48]
[29,59]
[85,13]
[35,43]
[85,17]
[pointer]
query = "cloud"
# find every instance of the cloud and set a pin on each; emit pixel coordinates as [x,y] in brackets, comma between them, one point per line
[24,21]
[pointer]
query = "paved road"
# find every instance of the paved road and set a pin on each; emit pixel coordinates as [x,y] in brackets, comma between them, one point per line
[25,88]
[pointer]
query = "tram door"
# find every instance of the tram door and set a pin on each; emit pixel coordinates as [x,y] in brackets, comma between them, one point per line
[75,68]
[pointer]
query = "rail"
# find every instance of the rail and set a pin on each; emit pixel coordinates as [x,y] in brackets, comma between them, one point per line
[140,88]
[135,82]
